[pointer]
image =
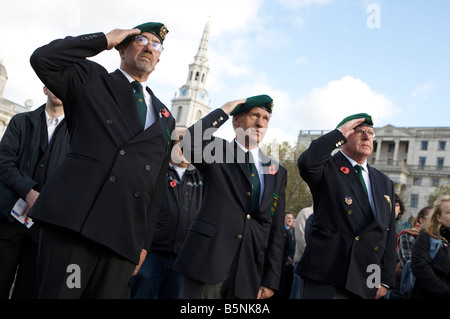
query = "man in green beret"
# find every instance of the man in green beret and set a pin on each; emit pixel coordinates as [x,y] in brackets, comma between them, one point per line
[235,245]
[351,246]
[96,232]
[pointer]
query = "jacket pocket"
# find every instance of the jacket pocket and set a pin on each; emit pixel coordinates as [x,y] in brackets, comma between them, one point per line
[204,228]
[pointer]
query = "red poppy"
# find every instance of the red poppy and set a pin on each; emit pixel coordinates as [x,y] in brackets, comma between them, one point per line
[165,112]
[173,183]
[272,170]
[345,170]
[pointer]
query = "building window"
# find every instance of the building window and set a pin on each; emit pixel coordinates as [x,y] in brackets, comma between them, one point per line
[391,148]
[414,201]
[435,182]
[196,76]
[203,77]
[179,112]
[422,161]
[440,163]
[441,145]
[424,145]
[417,181]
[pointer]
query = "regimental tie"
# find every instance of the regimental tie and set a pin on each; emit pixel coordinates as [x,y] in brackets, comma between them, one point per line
[140,102]
[254,178]
[359,169]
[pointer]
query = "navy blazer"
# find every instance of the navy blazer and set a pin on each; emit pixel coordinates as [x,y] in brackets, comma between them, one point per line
[225,227]
[347,246]
[110,184]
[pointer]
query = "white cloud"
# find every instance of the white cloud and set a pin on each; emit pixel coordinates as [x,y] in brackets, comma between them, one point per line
[324,107]
[423,90]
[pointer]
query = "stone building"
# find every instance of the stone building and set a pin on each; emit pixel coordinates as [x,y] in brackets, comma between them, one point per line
[192,101]
[416,159]
[7,108]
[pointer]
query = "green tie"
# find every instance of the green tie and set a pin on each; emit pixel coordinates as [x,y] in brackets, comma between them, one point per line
[256,184]
[140,102]
[359,169]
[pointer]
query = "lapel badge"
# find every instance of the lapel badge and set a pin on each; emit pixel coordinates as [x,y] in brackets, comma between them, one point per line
[164,112]
[173,183]
[388,199]
[348,200]
[274,203]
[272,170]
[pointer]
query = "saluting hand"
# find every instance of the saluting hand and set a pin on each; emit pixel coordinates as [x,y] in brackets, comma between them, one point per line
[349,127]
[116,36]
[229,106]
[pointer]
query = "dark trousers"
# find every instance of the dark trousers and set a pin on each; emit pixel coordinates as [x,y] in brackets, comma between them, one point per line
[156,279]
[73,267]
[18,262]
[313,289]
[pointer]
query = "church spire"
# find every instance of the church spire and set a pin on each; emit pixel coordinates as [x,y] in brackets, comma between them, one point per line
[201,56]
[192,101]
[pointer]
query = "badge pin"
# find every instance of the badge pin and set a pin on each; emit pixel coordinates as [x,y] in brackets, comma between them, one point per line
[348,200]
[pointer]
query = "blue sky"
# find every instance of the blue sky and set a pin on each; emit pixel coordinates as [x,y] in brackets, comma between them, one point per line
[320,60]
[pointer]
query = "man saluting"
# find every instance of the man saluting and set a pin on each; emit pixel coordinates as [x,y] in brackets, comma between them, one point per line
[99,210]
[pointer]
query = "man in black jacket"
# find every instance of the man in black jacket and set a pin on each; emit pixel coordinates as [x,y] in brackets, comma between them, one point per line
[31,148]
[99,228]
[235,244]
[184,191]
[351,245]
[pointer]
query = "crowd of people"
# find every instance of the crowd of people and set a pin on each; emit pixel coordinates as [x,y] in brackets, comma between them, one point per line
[101,196]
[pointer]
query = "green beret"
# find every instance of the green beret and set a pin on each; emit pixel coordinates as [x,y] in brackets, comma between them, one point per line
[263,101]
[156,28]
[367,119]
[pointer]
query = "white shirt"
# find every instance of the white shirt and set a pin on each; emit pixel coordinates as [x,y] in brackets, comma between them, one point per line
[52,124]
[258,164]
[151,116]
[365,174]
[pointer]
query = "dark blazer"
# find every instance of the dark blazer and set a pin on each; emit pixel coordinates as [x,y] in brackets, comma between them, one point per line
[19,157]
[345,237]
[110,184]
[225,227]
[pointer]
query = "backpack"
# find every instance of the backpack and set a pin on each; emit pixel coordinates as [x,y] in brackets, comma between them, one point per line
[407,279]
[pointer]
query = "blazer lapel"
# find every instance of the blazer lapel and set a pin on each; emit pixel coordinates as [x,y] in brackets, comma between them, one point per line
[239,158]
[124,97]
[353,181]
[269,170]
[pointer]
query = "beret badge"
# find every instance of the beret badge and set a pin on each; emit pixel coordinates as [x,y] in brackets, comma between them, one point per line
[163,32]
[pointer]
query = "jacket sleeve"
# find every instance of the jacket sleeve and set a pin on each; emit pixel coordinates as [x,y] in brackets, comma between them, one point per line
[198,143]
[60,64]
[10,174]
[311,162]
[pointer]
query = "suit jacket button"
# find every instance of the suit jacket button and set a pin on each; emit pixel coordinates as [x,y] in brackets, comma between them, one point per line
[249,194]
[249,216]
[109,122]
[112,179]
[376,248]
[136,194]
[239,236]
[357,238]
[350,212]
[122,152]
[147,167]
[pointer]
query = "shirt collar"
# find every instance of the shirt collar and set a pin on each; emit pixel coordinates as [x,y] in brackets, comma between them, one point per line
[255,151]
[353,162]
[130,79]
[56,120]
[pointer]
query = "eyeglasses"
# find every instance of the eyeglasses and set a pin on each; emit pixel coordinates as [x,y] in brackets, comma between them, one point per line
[361,131]
[143,41]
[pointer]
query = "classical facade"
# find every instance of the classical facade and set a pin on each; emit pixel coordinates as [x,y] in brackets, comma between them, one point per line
[416,159]
[7,108]
[192,101]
